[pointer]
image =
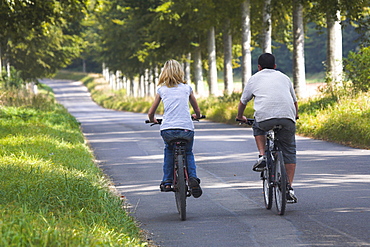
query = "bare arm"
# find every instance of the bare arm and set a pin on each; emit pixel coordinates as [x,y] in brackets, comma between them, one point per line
[241,109]
[194,104]
[296,110]
[153,109]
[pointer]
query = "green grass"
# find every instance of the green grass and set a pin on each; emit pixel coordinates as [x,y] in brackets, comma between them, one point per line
[343,119]
[52,193]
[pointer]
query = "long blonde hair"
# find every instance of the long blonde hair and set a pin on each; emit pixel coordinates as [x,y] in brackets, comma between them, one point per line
[172,74]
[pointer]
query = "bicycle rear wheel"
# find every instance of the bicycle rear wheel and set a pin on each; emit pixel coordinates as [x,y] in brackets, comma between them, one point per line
[281,183]
[267,186]
[181,188]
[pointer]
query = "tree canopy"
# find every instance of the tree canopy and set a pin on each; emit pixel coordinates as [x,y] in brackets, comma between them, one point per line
[39,37]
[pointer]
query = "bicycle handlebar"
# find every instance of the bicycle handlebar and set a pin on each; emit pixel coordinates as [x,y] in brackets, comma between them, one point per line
[250,121]
[159,120]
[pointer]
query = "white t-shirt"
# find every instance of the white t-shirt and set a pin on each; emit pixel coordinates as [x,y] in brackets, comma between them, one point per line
[273,94]
[176,107]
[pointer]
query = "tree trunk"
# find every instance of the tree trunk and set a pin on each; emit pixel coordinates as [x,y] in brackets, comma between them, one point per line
[246,43]
[198,72]
[187,69]
[228,66]
[155,79]
[334,50]
[83,65]
[266,32]
[212,70]
[147,83]
[299,75]
[142,85]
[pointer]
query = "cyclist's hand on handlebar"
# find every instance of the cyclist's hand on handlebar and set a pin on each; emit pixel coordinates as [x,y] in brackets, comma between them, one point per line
[194,117]
[245,120]
[153,120]
[242,119]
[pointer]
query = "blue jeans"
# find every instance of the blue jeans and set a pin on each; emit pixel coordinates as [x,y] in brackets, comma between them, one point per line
[169,135]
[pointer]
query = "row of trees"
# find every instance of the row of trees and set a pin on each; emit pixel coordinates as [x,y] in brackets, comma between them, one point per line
[134,38]
[214,35]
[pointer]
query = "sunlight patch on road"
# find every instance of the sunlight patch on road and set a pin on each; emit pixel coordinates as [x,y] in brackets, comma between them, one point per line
[330,180]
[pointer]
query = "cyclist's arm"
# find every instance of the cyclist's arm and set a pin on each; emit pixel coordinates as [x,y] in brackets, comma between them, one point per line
[194,104]
[153,109]
[296,110]
[241,109]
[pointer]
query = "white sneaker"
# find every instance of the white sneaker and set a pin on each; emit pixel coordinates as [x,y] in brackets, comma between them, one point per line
[291,198]
[260,164]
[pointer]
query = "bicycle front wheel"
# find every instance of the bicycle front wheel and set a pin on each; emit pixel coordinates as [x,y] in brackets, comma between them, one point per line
[181,188]
[280,183]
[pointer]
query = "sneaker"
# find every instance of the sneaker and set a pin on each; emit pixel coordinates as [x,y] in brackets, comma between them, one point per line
[195,189]
[290,197]
[260,164]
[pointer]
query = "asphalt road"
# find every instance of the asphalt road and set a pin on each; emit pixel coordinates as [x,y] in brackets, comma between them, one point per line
[332,183]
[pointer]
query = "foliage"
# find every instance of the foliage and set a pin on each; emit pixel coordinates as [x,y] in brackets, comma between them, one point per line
[357,67]
[345,121]
[12,81]
[52,192]
[39,38]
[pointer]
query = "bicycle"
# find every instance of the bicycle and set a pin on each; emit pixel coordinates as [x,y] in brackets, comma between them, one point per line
[274,176]
[180,184]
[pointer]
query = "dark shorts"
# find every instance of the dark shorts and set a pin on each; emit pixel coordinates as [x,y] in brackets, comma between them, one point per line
[286,136]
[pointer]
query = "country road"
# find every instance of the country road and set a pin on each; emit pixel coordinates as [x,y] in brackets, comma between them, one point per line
[332,183]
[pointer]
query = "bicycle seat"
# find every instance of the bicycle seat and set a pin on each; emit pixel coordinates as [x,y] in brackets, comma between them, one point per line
[179,141]
[277,127]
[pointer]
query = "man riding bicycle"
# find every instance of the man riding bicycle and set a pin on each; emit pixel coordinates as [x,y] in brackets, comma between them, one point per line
[275,103]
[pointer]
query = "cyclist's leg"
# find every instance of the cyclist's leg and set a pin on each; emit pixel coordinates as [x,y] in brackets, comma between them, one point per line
[168,136]
[194,181]
[288,145]
[260,142]
[260,138]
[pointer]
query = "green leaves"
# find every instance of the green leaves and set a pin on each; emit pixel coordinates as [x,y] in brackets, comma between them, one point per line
[38,38]
[357,67]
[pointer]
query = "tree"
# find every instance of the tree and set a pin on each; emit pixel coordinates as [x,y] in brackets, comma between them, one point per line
[228,69]
[334,47]
[26,34]
[299,78]
[267,27]
[212,68]
[334,12]
[246,43]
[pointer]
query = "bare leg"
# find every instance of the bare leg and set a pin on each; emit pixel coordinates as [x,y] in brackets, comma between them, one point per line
[290,170]
[261,142]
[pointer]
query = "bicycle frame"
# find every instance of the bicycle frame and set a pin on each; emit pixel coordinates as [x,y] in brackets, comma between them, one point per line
[276,167]
[272,147]
[180,176]
[274,175]
[180,153]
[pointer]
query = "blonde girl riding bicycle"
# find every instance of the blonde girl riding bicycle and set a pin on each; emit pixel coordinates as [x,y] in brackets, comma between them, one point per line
[177,122]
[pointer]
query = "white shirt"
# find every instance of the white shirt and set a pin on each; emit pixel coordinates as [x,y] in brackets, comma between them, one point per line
[176,107]
[273,95]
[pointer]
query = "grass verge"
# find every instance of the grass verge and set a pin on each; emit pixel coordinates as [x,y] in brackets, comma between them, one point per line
[52,192]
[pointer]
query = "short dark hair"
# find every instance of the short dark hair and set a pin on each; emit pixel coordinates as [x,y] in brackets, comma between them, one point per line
[267,61]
